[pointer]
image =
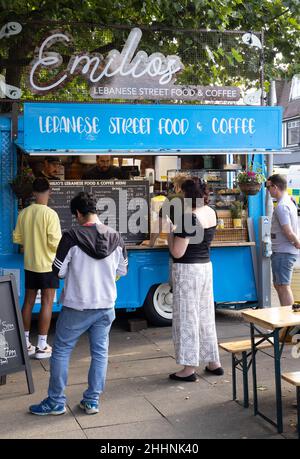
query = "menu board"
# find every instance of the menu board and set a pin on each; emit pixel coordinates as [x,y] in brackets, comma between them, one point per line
[121,204]
[13,349]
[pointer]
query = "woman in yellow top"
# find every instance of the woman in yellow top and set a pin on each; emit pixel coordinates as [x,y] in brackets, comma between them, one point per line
[38,230]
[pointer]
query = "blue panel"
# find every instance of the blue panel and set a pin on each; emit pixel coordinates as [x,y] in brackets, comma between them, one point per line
[143,127]
[7,199]
[146,268]
[233,274]
[257,203]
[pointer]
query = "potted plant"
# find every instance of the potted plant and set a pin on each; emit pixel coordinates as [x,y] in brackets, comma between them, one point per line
[22,183]
[236,214]
[250,182]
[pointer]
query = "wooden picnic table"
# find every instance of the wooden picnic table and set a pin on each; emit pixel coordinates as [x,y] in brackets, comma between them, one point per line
[272,321]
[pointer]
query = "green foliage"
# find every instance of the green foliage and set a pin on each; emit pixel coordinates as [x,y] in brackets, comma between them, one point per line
[207,60]
[237,209]
[251,176]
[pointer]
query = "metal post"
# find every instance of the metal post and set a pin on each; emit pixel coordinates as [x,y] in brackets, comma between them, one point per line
[270,158]
[262,67]
[255,401]
[245,379]
[14,120]
[278,381]
[233,377]
[298,411]
[264,270]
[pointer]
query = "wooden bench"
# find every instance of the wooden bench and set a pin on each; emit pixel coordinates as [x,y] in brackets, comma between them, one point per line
[294,379]
[242,363]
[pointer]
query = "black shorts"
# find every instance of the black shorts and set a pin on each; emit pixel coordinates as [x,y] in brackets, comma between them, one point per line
[37,281]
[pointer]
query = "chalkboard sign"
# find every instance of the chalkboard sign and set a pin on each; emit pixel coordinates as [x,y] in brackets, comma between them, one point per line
[117,201]
[13,350]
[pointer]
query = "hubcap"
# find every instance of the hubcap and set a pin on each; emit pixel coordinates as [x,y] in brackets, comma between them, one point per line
[163,301]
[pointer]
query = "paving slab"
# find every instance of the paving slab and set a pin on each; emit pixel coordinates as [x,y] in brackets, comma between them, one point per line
[141,402]
[77,434]
[159,429]
[126,410]
[16,384]
[123,370]
[220,420]
[17,422]
[142,352]
[114,391]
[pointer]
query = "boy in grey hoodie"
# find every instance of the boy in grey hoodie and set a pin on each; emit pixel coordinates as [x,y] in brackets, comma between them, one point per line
[89,258]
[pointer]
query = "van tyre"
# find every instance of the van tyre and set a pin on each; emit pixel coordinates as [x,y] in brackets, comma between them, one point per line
[158,305]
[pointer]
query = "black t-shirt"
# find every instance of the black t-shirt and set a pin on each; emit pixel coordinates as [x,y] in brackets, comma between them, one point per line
[96,174]
[198,251]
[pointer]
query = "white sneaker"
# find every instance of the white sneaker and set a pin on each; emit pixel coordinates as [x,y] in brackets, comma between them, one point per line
[31,349]
[43,353]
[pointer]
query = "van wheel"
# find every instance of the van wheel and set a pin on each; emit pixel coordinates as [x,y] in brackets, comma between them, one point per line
[158,305]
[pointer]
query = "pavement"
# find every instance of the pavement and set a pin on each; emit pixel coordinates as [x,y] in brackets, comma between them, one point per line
[141,402]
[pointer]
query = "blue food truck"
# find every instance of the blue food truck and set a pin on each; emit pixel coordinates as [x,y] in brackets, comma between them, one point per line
[58,129]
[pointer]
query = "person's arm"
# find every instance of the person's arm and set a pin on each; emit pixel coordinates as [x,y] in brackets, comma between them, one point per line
[291,235]
[123,261]
[63,256]
[53,232]
[156,228]
[177,245]
[284,218]
[17,233]
[178,238]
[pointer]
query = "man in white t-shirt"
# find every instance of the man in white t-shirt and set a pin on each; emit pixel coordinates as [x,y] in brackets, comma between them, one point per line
[285,240]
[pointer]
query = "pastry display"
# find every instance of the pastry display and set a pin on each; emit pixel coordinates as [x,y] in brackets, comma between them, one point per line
[213,178]
[229,191]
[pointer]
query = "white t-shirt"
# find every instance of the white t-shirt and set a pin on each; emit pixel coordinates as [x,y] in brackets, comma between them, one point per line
[284,214]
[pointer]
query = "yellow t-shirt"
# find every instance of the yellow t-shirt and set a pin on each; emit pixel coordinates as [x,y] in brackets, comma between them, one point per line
[38,230]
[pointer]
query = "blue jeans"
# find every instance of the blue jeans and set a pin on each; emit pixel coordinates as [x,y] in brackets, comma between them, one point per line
[71,324]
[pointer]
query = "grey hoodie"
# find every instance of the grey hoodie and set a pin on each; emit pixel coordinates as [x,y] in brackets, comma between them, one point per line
[89,258]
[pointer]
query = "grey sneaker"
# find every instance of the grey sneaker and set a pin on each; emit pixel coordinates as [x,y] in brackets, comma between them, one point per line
[89,407]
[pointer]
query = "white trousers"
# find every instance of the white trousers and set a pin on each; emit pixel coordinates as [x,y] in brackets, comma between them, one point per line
[194,326]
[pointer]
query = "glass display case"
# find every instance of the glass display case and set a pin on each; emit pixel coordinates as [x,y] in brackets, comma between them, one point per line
[222,185]
[224,192]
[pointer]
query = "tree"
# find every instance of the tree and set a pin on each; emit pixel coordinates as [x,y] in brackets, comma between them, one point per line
[209,58]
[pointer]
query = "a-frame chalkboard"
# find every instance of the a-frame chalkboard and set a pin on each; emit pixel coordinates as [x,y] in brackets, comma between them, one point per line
[13,350]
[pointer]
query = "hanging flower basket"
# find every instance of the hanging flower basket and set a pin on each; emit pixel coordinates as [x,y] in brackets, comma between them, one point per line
[250,182]
[250,188]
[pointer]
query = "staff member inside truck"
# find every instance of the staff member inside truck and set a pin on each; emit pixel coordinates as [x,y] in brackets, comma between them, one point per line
[103,170]
[51,167]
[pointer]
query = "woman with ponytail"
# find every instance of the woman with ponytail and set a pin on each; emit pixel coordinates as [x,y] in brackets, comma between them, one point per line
[194,328]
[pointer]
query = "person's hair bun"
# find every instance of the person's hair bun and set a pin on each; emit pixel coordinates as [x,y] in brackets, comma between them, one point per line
[194,189]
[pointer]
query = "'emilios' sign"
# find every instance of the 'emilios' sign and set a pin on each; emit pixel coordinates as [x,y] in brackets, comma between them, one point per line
[124,75]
